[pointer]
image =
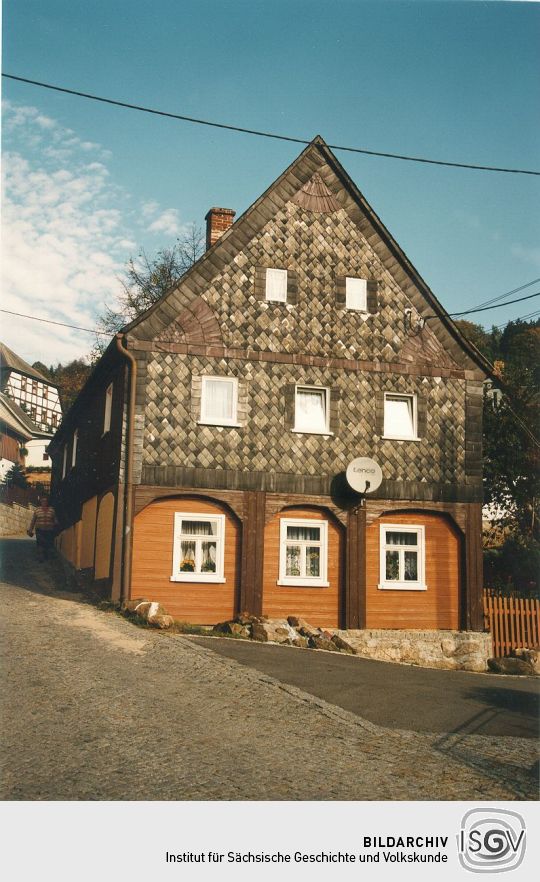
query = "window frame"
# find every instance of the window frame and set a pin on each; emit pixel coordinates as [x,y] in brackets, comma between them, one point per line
[107,412]
[64,461]
[320,581]
[419,546]
[326,390]
[178,536]
[362,309]
[206,420]
[74,447]
[281,271]
[402,395]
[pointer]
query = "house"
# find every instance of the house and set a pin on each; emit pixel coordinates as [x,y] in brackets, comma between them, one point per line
[16,430]
[22,442]
[203,463]
[37,398]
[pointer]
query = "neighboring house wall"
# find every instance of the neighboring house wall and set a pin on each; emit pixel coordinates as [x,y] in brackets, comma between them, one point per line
[38,399]
[96,467]
[10,447]
[87,473]
[37,453]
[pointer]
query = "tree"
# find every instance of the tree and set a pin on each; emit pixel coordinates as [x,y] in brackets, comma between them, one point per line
[70,378]
[147,279]
[478,336]
[511,452]
[43,369]
[16,477]
[511,449]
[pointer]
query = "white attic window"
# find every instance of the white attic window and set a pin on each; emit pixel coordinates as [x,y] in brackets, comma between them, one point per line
[356,294]
[276,285]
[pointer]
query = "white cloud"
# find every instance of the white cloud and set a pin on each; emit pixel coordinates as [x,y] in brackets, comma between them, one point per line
[167,222]
[149,209]
[67,233]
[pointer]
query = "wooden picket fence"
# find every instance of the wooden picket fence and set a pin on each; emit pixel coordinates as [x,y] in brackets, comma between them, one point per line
[514,622]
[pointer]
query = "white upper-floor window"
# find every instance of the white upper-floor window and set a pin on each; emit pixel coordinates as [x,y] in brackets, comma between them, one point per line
[312,409]
[276,285]
[400,416]
[356,294]
[219,401]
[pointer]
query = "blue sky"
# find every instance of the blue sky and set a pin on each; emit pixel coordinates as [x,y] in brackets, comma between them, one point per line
[88,184]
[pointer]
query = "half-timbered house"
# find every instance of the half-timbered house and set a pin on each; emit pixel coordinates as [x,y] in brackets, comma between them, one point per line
[203,463]
[35,400]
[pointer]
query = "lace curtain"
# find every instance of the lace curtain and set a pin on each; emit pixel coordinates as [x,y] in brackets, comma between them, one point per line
[218,396]
[310,409]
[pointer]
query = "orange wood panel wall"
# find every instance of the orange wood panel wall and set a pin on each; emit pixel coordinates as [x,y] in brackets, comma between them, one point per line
[438,606]
[203,603]
[320,606]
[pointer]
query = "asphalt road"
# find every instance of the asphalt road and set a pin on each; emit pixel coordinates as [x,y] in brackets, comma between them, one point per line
[398,696]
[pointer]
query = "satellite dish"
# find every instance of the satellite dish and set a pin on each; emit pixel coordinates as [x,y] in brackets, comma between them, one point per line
[364,475]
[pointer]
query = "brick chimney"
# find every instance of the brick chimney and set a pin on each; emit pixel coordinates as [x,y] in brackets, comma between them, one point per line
[218,220]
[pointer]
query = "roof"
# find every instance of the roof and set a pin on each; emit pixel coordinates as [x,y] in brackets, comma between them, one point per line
[317,176]
[15,418]
[11,361]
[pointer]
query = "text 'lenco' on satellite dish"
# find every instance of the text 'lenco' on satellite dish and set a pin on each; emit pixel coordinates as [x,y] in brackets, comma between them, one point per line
[364,475]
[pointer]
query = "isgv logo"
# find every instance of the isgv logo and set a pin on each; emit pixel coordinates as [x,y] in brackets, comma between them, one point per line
[491,840]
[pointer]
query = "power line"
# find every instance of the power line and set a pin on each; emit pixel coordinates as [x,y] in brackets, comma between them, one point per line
[61,324]
[262,134]
[485,308]
[520,318]
[508,293]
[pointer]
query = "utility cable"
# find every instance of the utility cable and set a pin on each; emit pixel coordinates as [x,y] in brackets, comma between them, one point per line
[262,134]
[61,324]
[508,293]
[485,308]
[520,318]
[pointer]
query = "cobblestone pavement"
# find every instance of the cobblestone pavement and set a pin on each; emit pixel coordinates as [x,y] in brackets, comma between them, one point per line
[94,708]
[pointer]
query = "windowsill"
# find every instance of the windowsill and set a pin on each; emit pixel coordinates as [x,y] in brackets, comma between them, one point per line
[221,425]
[398,438]
[401,586]
[311,432]
[302,583]
[197,577]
